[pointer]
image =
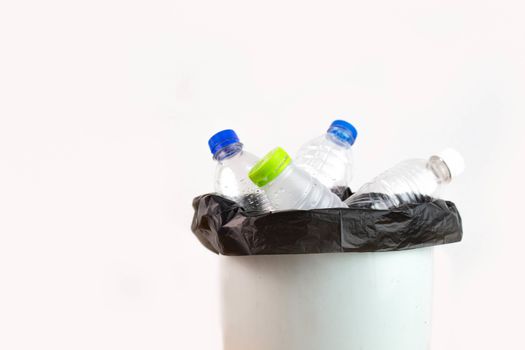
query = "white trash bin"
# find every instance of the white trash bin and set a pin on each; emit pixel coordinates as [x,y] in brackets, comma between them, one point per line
[338,301]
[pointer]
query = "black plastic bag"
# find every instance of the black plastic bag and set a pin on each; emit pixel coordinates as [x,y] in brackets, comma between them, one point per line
[225,228]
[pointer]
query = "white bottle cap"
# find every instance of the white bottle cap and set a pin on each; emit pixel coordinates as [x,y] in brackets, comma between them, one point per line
[454,161]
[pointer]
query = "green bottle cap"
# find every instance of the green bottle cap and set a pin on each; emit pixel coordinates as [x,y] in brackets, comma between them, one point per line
[269,167]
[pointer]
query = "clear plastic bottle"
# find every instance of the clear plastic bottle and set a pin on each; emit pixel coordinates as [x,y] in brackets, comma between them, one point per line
[289,187]
[231,174]
[411,181]
[329,158]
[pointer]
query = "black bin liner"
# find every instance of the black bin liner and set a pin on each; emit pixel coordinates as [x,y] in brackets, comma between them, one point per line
[225,228]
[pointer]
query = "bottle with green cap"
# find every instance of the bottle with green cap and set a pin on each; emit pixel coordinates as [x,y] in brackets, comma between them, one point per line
[289,187]
[231,174]
[329,158]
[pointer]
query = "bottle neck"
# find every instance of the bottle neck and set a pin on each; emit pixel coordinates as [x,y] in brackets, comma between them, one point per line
[280,177]
[340,136]
[440,169]
[228,152]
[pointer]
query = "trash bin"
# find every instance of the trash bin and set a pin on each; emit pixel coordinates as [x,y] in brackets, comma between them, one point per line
[352,279]
[351,301]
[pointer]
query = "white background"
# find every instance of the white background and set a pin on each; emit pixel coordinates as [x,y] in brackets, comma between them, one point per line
[106,108]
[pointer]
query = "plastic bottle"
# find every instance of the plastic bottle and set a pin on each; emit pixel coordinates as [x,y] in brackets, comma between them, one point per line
[329,158]
[411,181]
[231,174]
[290,187]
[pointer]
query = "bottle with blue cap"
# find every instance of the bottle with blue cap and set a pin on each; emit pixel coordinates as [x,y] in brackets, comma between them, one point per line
[411,181]
[328,158]
[231,174]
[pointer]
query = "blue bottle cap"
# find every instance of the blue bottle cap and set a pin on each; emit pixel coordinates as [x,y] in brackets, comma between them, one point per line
[343,130]
[222,139]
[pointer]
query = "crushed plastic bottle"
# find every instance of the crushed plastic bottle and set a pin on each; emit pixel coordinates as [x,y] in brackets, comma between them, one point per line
[411,181]
[290,187]
[328,158]
[231,174]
